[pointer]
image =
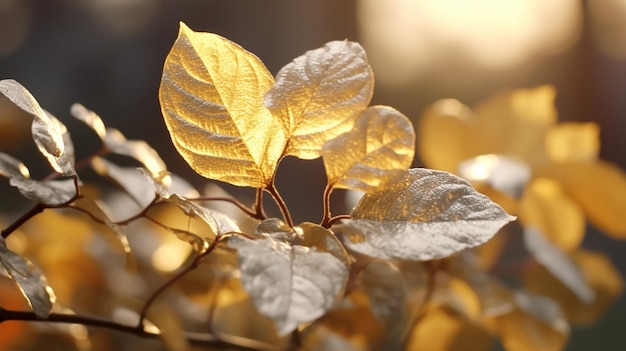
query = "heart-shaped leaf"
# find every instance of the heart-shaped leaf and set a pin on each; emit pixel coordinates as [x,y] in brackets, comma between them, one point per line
[426,215]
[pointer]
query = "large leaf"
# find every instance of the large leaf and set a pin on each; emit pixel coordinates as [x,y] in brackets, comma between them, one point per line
[30,280]
[293,276]
[426,215]
[211,97]
[377,150]
[317,96]
[49,133]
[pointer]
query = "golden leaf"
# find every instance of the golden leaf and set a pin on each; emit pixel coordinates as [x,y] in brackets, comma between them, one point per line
[319,94]
[600,275]
[568,142]
[379,149]
[211,97]
[443,329]
[599,188]
[545,206]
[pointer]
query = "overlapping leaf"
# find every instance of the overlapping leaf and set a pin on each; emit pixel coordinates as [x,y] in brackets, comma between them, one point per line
[318,95]
[211,97]
[378,149]
[426,215]
[49,133]
[30,280]
[293,276]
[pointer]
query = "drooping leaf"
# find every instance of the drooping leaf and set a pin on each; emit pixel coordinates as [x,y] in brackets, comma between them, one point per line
[293,276]
[48,192]
[48,132]
[377,150]
[318,95]
[426,215]
[546,206]
[502,173]
[211,97]
[30,280]
[558,263]
[600,275]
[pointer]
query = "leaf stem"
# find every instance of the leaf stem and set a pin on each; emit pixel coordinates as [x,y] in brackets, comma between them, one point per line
[280,202]
[328,190]
[198,339]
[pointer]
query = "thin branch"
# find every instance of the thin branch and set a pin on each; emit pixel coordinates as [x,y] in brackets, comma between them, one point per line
[338,218]
[198,339]
[38,208]
[280,202]
[254,213]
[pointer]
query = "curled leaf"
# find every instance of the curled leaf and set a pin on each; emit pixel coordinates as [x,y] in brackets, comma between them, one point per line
[90,118]
[426,215]
[30,280]
[211,97]
[293,276]
[377,150]
[318,95]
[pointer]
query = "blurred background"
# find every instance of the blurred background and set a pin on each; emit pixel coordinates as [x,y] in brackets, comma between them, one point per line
[108,55]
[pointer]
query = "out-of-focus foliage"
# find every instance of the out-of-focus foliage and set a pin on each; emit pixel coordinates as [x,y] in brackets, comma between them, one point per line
[413,266]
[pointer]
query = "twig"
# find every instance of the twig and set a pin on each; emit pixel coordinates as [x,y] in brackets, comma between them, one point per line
[38,208]
[280,202]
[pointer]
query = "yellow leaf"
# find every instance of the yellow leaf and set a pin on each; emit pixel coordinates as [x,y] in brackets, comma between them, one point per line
[568,142]
[600,275]
[545,206]
[211,97]
[444,136]
[379,149]
[442,329]
[599,188]
[319,94]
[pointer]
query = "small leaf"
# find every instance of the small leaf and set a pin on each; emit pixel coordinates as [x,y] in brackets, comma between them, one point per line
[502,173]
[90,118]
[30,280]
[117,143]
[377,150]
[558,263]
[573,142]
[11,167]
[292,276]
[47,192]
[319,94]
[426,215]
[49,133]
[211,97]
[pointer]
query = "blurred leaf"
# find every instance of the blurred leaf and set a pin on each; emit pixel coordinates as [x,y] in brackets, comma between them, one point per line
[129,179]
[536,324]
[377,150]
[211,97]
[318,95]
[48,192]
[277,271]
[558,263]
[30,280]
[443,329]
[599,188]
[170,326]
[11,167]
[547,207]
[117,143]
[48,132]
[204,214]
[572,142]
[600,275]
[387,292]
[11,334]
[426,215]
[90,118]
[502,173]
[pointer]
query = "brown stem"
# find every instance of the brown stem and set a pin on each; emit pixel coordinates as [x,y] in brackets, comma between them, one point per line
[198,339]
[38,208]
[254,212]
[328,190]
[280,202]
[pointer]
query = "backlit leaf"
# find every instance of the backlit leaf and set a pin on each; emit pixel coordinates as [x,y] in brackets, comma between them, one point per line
[599,188]
[48,192]
[211,97]
[600,275]
[558,263]
[90,118]
[48,132]
[318,95]
[546,206]
[426,215]
[567,142]
[502,173]
[293,276]
[378,149]
[12,167]
[30,280]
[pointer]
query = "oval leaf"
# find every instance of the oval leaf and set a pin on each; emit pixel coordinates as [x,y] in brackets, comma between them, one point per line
[30,280]
[211,97]
[293,277]
[319,94]
[378,149]
[49,133]
[427,215]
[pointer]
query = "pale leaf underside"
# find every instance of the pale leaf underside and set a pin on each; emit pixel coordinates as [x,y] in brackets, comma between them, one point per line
[427,215]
